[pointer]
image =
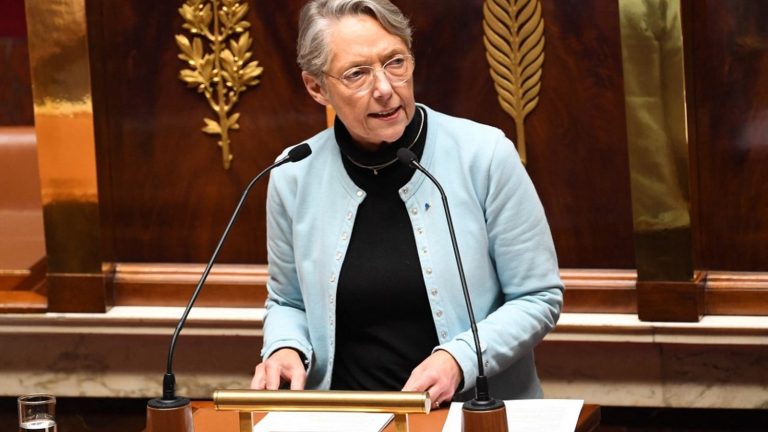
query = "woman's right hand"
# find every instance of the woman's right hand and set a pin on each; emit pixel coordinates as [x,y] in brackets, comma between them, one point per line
[283,366]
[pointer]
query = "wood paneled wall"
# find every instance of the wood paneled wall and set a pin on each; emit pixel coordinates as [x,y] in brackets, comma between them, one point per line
[577,152]
[165,198]
[728,86]
[168,197]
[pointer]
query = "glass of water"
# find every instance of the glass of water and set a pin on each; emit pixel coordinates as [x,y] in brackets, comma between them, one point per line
[37,413]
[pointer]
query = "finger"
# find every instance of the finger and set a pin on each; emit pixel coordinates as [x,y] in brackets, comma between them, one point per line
[435,395]
[440,394]
[257,383]
[298,380]
[409,385]
[272,372]
[416,382]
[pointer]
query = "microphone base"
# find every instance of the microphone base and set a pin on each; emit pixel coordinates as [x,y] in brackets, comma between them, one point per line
[484,416]
[173,415]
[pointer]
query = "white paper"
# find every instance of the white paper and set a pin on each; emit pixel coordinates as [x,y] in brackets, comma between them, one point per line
[529,415]
[323,422]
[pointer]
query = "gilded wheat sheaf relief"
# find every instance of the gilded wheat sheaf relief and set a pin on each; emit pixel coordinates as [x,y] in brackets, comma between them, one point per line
[222,72]
[514,43]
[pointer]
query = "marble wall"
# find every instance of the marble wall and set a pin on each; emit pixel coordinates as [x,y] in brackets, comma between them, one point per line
[611,360]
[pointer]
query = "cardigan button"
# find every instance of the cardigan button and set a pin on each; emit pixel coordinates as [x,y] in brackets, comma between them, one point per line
[359,193]
[428,270]
[415,210]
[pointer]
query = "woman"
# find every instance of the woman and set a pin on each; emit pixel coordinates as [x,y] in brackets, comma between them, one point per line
[364,292]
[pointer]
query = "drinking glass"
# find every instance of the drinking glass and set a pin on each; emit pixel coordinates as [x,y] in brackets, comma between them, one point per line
[37,413]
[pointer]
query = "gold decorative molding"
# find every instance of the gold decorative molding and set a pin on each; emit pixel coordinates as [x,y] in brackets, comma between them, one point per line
[222,74]
[514,43]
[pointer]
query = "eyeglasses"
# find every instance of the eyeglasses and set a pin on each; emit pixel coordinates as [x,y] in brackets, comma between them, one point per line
[398,71]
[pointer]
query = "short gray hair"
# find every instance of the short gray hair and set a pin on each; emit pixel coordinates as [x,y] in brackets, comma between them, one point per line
[315,18]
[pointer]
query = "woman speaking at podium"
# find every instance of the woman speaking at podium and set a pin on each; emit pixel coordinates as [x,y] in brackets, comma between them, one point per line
[364,291]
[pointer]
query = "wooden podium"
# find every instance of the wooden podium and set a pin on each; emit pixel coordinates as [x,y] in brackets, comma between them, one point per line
[207,419]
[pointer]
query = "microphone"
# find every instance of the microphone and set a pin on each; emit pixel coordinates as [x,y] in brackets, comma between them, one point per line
[483,413]
[171,413]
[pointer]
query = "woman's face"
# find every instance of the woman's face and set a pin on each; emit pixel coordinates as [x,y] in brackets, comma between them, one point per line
[375,116]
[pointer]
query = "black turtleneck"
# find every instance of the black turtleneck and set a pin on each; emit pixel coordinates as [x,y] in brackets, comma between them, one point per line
[384,323]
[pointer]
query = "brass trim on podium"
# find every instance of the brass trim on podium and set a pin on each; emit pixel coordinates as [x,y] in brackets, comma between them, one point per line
[397,402]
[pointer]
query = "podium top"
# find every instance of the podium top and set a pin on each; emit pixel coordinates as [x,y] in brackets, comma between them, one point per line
[207,419]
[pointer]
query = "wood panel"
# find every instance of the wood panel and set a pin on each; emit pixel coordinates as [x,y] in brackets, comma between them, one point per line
[728,91]
[12,21]
[730,293]
[605,291]
[148,284]
[166,196]
[15,83]
[577,151]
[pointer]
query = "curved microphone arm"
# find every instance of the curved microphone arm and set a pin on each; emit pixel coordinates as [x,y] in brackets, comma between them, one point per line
[169,381]
[482,393]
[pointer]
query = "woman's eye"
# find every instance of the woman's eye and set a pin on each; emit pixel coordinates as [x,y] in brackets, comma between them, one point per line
[354,74]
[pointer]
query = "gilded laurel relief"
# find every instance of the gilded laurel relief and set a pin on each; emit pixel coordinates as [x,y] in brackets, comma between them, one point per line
[514,43]
[218,57]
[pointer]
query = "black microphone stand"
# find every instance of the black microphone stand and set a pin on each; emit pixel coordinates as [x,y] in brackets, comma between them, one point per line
[171,413]
[483,413]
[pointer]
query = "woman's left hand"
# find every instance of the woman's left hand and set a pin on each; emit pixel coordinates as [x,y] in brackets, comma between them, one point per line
[438,374]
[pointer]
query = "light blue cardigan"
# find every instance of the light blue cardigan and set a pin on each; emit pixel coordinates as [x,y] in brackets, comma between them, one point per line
[504,239]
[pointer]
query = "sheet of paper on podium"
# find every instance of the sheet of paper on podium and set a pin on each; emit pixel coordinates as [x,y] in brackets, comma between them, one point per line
[323,422]
[529,415]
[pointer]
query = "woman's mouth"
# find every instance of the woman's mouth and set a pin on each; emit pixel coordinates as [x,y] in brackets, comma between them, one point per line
[386,114]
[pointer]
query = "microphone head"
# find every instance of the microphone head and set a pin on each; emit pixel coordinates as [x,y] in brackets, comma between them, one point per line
[299,152]
[406,156]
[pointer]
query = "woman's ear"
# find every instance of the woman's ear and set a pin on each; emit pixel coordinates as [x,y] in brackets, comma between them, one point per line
[315,88]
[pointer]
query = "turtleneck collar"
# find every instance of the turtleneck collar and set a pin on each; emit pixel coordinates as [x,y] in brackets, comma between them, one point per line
[387,154]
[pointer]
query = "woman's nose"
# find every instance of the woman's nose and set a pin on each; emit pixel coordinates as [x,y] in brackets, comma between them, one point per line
[381,85]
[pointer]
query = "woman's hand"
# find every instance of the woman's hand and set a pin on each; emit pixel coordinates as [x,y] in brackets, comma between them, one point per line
[283,366]
[438,374]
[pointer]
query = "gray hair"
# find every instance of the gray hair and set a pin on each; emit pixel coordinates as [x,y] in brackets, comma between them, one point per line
[313,54]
